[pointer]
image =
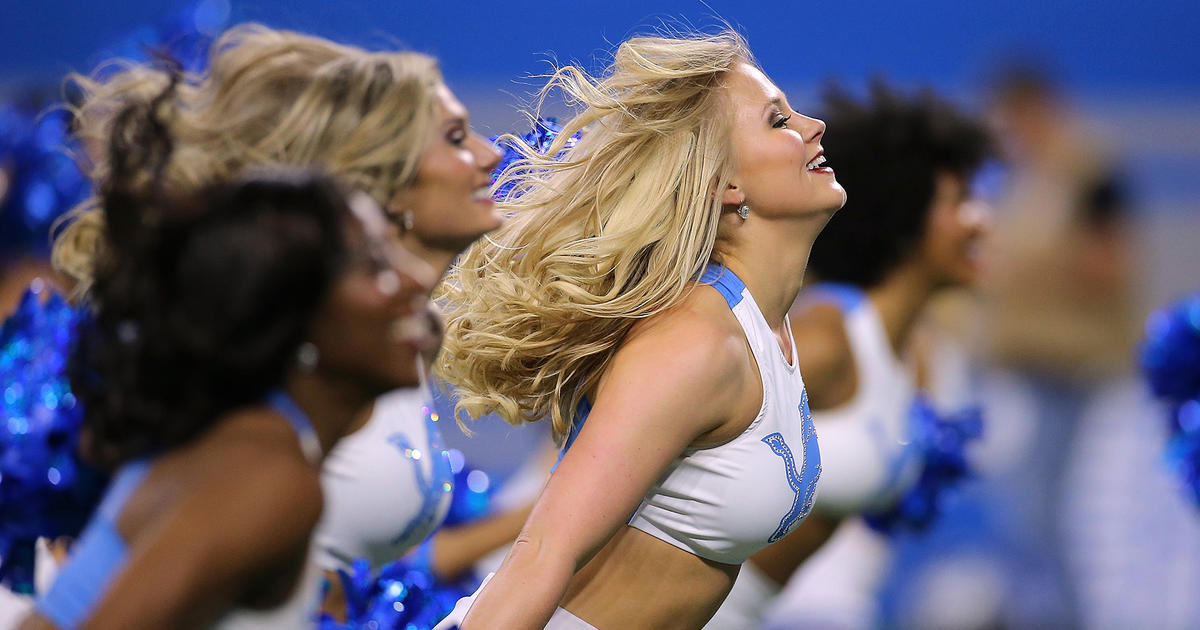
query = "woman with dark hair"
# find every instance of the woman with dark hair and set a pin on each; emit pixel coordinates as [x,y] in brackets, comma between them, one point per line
[383,122]
[237,333]
[908,233]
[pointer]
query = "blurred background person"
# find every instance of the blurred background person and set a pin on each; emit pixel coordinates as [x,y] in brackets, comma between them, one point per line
[382,122]
[237,331]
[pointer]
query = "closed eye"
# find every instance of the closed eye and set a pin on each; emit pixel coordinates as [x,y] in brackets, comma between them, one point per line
[781,123]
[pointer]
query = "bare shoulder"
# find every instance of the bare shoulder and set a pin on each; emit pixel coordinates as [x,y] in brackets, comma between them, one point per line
[823,354]
[258,440]
[700,335]
[252,465]
[694,351]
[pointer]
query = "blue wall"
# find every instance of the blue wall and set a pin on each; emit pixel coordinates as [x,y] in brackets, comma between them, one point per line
[1099,46]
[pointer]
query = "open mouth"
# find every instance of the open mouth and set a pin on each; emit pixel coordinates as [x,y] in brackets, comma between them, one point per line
[817,164]
[483,193]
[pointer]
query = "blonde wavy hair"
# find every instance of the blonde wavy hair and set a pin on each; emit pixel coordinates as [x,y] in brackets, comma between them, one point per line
[609,232]
[269,97]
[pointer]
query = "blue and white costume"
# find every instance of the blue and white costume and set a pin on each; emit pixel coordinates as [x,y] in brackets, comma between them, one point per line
[387,486]
[101,553]
[724,503]
[869,459]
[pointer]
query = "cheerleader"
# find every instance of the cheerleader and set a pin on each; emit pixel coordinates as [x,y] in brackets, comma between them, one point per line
[381,122]
[238,331]
[909,233]
[637,297]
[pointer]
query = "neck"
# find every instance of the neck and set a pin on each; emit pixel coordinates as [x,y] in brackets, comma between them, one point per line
[332,407]
[899,299]
[437,258]
[771,258]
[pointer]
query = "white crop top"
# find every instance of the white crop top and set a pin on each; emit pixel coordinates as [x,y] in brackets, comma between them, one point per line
[387,486]
[725,503]
[870,458]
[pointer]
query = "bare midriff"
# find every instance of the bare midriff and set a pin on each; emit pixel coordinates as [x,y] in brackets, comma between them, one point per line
[638,581]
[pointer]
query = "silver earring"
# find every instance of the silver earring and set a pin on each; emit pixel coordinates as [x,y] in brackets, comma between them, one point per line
[744,211]
[406,219]
[307,356]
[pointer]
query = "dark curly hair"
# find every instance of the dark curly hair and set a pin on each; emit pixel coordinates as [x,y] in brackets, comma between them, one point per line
[886,153]
[199,302]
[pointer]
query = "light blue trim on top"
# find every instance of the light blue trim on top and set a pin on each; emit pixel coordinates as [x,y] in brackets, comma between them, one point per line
[96,558]
[846,297]
[305,433]
[725,281]
[581,414]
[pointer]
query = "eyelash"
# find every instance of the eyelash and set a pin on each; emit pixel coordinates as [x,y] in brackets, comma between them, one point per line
[781,123]
[456,137]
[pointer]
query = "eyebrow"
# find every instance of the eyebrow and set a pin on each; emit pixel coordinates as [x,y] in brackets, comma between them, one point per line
[777,102]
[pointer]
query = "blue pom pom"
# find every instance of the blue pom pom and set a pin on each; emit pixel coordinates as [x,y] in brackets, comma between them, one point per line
[1171,366]
[403,596]
[942,442]
[539,140]
[45,490]
[1171,352]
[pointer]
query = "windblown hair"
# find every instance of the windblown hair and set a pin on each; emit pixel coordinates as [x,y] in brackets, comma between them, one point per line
[611,231]
[269,97]
[201,300]
[888,152]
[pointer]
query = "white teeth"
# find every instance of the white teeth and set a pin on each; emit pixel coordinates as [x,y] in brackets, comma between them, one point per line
[412,328]
[816,162]
[481,193]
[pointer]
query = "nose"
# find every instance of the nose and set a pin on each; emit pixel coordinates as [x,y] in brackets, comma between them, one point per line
[812,129]
[485,152]
[976,215]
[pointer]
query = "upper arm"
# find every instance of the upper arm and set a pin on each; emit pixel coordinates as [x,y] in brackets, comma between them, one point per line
[216,545]
[666,386]
[824,356]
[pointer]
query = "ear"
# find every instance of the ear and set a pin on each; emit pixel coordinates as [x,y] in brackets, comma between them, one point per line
[733,196]
[395,205]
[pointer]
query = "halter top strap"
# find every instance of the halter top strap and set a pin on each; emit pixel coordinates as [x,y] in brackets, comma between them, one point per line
[725,281]
[288,408]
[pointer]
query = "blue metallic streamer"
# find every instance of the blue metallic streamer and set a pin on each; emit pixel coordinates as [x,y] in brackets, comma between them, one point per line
[45,490]
[1170,358]
[539,139]
[942,443]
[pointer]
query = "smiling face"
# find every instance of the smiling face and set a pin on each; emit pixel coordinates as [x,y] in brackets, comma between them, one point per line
[949,249]
[777,152]
[376,319]
[449,198]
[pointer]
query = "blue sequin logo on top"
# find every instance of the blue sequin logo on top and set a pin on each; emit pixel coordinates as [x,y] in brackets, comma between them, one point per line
[433,488]
[800,506]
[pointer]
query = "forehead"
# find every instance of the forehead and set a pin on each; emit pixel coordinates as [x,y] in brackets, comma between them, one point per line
[749,87]
[450,106]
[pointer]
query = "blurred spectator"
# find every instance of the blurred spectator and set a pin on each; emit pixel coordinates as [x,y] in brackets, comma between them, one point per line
[1061,304]
[1059,328]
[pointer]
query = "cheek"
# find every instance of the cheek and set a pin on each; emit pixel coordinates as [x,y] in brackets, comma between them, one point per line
[355,323]
[775,165]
